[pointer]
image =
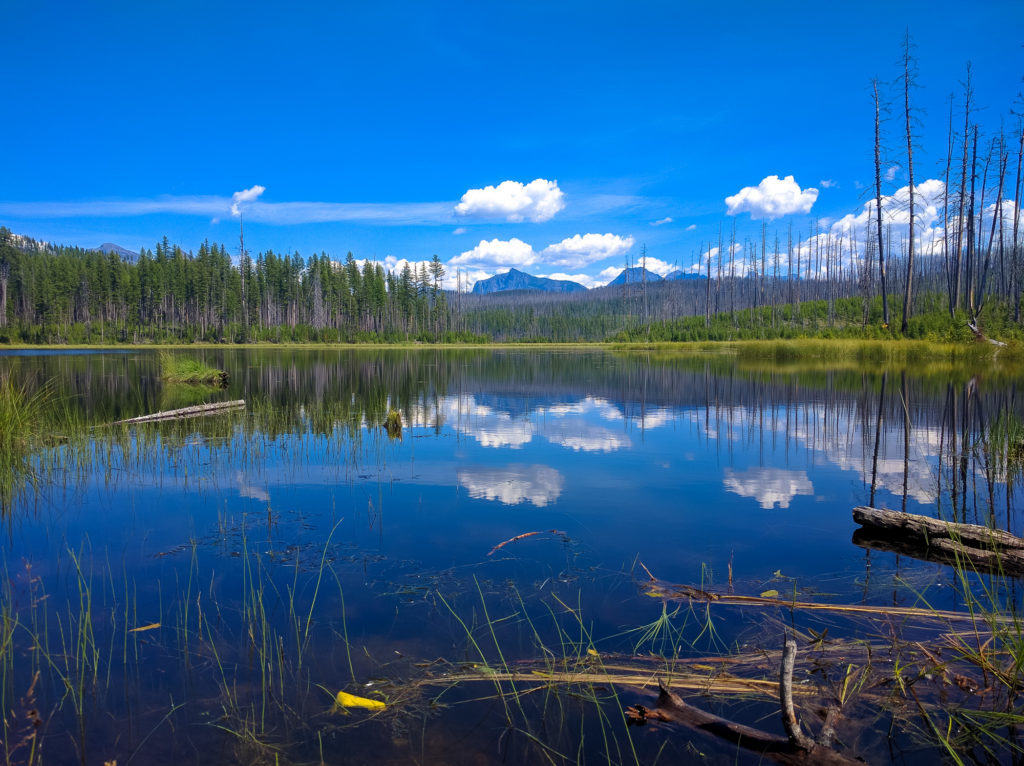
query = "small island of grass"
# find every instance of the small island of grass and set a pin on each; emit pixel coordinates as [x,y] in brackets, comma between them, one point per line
[179,369]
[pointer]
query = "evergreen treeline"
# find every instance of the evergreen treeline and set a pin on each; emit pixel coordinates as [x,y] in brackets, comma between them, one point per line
[71,295]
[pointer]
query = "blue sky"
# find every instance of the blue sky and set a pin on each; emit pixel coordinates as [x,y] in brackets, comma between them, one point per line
[128,121]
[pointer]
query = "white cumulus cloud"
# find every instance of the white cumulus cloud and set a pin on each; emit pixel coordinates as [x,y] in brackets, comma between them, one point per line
[246,195]
[497,253]
[772,198]
[537,201]
[656,266]
[583,249]
[662,221]
[584,279]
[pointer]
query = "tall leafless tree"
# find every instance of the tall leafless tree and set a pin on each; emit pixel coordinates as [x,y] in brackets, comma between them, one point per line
[909,67]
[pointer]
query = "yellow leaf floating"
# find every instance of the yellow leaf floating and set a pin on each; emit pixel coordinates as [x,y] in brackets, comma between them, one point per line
[144,628]
[770,594]
[593,653]
[346,700]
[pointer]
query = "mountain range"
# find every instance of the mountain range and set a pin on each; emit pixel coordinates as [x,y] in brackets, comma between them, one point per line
[513,279]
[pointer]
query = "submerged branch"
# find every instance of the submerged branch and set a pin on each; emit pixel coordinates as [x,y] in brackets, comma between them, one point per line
[672,709]
[675,592]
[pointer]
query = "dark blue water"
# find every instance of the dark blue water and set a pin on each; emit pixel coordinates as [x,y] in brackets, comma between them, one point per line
[296,549]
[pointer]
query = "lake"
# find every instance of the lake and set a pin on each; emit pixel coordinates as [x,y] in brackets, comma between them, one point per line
[199,591]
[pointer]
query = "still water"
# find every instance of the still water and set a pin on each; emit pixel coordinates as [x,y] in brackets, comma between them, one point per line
[199,591]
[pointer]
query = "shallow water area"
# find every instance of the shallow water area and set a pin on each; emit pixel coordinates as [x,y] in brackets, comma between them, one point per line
[201,590]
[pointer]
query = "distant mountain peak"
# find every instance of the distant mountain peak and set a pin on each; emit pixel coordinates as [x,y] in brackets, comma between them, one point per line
[635,274]
[514,279]
[123,252]
[679,274]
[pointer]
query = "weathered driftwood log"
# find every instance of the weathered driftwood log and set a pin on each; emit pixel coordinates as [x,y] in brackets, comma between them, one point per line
[672,709]
[967,534]
[944,542]
[198,410]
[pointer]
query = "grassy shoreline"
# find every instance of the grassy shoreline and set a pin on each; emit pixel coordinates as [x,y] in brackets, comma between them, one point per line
[781,349]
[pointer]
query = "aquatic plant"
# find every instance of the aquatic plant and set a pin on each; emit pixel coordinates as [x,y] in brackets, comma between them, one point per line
[31,421]
[393,424]
[175,368]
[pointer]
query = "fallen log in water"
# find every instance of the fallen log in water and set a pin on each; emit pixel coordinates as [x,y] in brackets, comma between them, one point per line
[945,542]
[198,410]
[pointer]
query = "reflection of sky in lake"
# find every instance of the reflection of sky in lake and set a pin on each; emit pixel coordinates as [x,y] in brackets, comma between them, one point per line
[771,487]
[834,438]
[513,484]
[684,477]
[597,425]
[589,425]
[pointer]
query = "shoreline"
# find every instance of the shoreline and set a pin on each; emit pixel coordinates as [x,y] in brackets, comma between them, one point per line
[777,347]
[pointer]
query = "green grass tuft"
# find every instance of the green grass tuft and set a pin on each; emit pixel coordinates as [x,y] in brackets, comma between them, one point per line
[179,369]
[393,424]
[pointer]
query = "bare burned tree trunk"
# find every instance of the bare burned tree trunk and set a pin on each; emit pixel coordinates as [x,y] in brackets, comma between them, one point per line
[961,197]
[996,218]
[243,267]
[775,277]
[643,273]
[796,286]
[5,276]
[718,278]
[732,274]
[950,279]
[707,300]
[789,256]
[764,233]
[908,81]
[970,227]
[1015,245]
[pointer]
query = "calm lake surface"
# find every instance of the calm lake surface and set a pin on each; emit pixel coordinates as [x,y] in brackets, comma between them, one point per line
[281,554]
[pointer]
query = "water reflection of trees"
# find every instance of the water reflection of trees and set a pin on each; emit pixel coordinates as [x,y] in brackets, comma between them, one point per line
[954,449]
[941,438]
